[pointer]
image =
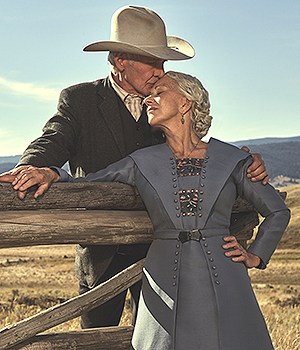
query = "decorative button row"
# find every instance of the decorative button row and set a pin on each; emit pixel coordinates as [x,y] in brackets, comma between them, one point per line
[175,267]
[211,260]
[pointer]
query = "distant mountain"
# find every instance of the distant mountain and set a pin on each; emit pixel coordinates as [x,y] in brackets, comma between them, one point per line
[281,155]
[266,140]
[9,159]
[6,166]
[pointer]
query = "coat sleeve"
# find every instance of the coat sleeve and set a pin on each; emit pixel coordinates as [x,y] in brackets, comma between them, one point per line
[121,171]
[58,140]
[270,205]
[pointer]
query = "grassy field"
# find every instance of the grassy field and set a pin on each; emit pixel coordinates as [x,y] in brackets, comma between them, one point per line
[35,278]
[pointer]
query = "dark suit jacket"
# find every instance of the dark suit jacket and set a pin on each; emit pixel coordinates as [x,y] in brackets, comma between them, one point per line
[86,131]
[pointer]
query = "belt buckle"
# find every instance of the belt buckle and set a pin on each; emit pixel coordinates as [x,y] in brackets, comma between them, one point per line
[194,235]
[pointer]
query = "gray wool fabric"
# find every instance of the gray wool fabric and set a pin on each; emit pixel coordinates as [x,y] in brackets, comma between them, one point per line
[193,296]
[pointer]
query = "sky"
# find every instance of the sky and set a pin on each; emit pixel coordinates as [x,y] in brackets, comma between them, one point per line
[247,57]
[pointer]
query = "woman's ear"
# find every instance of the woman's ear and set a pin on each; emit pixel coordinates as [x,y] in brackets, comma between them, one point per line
[186,106]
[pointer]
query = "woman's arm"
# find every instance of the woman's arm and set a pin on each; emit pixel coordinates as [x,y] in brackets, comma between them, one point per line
[270,205]
[23,178]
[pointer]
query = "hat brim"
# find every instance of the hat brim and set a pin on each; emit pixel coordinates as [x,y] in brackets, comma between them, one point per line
[176,49]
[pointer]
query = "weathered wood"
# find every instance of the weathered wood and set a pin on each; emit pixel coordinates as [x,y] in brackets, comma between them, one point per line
[96,195]
[38,227]
[25,329]
[90,195]
[27,228]
[109,338]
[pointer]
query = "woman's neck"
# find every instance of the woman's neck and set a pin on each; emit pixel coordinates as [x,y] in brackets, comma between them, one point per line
[186,145]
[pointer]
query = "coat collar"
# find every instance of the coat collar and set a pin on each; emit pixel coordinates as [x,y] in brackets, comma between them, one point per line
[158,165]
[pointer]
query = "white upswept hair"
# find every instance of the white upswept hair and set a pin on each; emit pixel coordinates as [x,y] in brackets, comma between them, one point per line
[191,88]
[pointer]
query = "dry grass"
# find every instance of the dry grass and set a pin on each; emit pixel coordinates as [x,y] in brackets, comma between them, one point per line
[35,278]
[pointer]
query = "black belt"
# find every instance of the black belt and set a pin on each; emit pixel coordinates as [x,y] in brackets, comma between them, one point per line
[189,235]
[192,235]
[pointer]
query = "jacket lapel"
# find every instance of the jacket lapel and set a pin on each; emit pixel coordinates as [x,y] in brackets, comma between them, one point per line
[108,106]
[221,159]
[158,165]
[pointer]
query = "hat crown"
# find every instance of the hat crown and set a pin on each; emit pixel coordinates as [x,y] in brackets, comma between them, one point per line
[141,31]
[138,26]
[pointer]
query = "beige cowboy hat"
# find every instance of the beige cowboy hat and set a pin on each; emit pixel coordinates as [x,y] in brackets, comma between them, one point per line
[141,31]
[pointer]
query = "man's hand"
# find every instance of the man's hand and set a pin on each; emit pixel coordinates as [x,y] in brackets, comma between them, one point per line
[239,254]
[24,177]
[257,170]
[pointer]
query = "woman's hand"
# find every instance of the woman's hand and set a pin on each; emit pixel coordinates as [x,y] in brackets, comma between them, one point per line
[24,177]
[239,254]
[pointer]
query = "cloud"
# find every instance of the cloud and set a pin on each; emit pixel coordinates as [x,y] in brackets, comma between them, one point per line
[29,89]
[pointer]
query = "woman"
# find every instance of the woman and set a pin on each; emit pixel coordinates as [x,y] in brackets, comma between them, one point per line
[196,292]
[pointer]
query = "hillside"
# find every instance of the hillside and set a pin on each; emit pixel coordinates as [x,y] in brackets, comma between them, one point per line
[281,158]
[266,140]
[291,238]
[281,155]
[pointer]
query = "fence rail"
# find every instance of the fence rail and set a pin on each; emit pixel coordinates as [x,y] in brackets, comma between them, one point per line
[86,213]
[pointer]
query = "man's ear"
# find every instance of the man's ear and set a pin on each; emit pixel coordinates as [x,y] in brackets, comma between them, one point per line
[119,62]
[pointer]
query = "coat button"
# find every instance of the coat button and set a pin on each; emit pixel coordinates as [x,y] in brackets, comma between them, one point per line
[217,282]
[174,185]
[211,259]
[200,215]
[176,253]
[174,284]
[213,267]
[208,252]
[176,261]
[205,245]
[178,215]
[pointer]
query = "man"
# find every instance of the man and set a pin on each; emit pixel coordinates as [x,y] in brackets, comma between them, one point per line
[101,122]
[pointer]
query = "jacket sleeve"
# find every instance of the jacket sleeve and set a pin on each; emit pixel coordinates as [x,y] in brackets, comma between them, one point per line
[270,205]
[121,171]
[58,140]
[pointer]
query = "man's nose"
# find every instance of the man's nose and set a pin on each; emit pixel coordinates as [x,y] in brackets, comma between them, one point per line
[148,100]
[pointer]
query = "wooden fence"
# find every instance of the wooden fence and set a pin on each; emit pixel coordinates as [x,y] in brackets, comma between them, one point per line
[86,213]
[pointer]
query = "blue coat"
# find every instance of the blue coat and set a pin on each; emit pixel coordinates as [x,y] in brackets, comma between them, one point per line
[193,296]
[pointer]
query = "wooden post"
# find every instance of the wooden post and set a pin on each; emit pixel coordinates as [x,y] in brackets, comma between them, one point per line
[25,329]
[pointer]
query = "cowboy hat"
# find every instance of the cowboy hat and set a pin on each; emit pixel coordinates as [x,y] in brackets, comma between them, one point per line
[139,30]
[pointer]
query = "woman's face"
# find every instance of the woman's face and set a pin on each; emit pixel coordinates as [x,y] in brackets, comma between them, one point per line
[164,103]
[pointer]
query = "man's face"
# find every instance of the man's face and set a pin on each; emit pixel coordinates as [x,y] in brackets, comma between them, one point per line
[138,76]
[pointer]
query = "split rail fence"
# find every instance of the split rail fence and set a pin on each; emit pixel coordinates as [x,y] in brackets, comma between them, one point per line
[85,213]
